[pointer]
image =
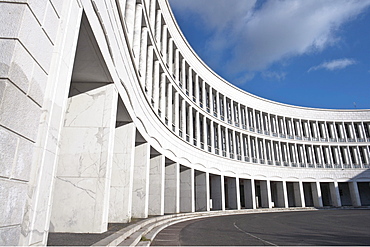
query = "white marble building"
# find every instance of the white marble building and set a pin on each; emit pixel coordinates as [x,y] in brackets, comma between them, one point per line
[106,113]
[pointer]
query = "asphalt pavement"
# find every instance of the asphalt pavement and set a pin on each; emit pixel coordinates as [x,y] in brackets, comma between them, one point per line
[341,227]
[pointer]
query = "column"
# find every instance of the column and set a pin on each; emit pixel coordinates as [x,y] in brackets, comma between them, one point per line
[169,104]
[316,194]
[149,74]
[216,192]
[155,85]
[187,199]
[137,33]
[163,97]
[211,107]
[212,136]
[334,194]
[204,94]
[83,177]
[190,76]
[158,27]
[201,191]
[232,193]
[197,123]
[183,118]
[285,194]
[237,187]
[183,74]
[233,139]
[140,197]
[355,195]
[143,55]
[156,188]
[266,194]
[152,13]
[224,99]
[249,193]
[191,127]
[177,118]
[219,138]
[172,188]
[196,85]
[177,65]
[205,135]
[299,194]
[164,44]
[130,19]
[120,198]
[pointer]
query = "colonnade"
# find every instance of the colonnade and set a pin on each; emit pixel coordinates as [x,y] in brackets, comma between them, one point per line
[118,118]
[114,172]
[213,121]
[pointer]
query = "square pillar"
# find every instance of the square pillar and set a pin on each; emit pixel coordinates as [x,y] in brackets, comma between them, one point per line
[355,195]
[316,194]
[249,193]
[265,194]
[201,191]
[216,192]
[120,199]
[82,184]
[172,188]
[140,190]
[187,202]
[334,193]
[156,182]
[299,194]
[231,193]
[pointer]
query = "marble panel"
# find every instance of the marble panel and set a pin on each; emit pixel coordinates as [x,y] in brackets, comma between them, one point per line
[13,198]
[9,236]
[38,85]
[10,22]
[8,147]
[80,108]
[23,162]
[120,199]
[22,117]
[21,68]
[6,54]
[38,7]
[77,203]
[85,160]
[50,22]
[58,5]
[41,220]
[35,40]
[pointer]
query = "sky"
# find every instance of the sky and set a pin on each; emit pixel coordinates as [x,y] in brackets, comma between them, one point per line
[312,53]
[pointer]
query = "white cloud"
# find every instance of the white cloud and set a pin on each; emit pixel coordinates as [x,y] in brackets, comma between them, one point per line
[334,64]
[273,75]
[257,36]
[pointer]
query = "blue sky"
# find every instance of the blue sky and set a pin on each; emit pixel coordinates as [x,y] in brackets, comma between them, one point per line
[313,53]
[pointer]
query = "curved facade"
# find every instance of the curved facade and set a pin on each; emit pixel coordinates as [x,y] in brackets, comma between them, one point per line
[107,114]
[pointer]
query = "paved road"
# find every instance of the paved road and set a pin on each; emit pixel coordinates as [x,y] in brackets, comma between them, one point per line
[321,227]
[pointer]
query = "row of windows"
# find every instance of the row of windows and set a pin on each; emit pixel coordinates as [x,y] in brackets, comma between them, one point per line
[211,121]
